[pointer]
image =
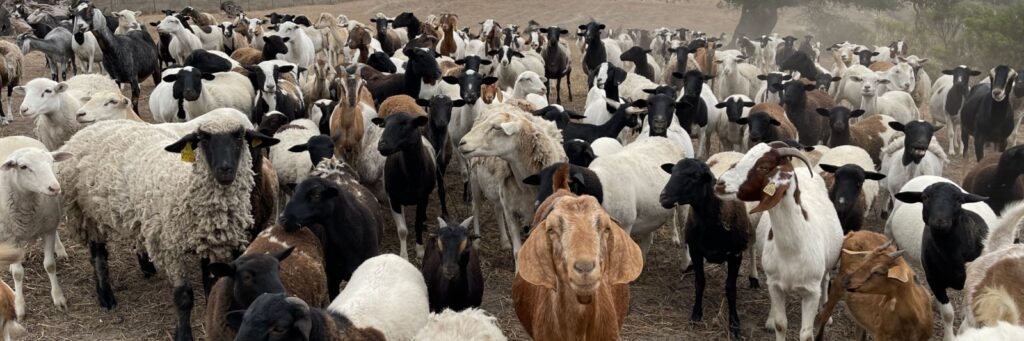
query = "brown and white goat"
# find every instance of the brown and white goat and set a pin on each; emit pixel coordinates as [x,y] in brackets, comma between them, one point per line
[347,126]
[884,298]
[574,271]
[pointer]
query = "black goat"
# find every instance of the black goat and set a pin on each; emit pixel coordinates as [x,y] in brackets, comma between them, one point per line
[127,57]
[451,268]
[582,181]
[988,112]
[439,109]
[845,189]
[421,68]
[595,53]
[557,64]
[716,230]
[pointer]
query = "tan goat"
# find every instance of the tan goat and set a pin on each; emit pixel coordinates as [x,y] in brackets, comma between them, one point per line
[347,126]
[588,300]
[884,299]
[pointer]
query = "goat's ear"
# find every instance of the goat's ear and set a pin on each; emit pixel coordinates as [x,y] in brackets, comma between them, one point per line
[679,75]
[460,62]
[899,273]
[600,27]
[775,190]
[489,79]
[628,261]
[874,54]
[458,103]
[873,176]
[828,168]
[534,259]
[450,79]
[857,113]
[281,255]
[138,13]
[485,62]
[787,77]
[222,269]
[563,31]
[762,77]
[896,126]
[288,68]
[909,197]
[168,78]
[234,318]
[422,102]
[582,27]
[259,140]
[19,90]
[823,112]
[299,148]
[971,197]
[667,167]
[378,121]
[61,156]
[532,180]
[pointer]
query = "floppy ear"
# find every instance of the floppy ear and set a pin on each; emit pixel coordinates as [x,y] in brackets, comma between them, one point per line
[775,190]
[299,148]
[857,113]
[741,120]
[450,79]
[222,269]
[61,156]
[873,176]
[823,112]
[828,168]
[534,259]
[234,318]
[971,197]
[909,197]
[576,116]
[168,78]
[667,167]
[628,261]
[259,140]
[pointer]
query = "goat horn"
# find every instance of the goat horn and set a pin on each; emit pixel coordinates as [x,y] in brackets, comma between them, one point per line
[885,246]
[896,254]
[793,152]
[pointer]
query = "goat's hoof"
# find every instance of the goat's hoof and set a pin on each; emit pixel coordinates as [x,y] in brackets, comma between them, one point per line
[755,283]
[696,316]
[419,251]
[59,301]
[734,331]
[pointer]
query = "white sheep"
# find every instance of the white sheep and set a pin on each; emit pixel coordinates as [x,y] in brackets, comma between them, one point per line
[106,106]
[528,83]
[183,41]
[127,20]
[301,50]
[197,202]
[875,101]
[806,233]
[735,77]
[605,146]
[291,168]
[162,104]
[215,90]
[632,182]
[55,105]
[30,208]
[508,64]
[386,293]
[469,324]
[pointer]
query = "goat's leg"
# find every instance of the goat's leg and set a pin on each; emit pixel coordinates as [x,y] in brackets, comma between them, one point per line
[58,247]
[421,225]
[730,293]
[751,252]
[183,301]
[105,294]
[698,285]
[568,82]
[403,231]
[808,310]
[946,311]
[777,316]
[50,264]
[18,272]
[135,93]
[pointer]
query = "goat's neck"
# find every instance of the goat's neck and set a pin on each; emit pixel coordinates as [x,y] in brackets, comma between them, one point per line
[788,222]
[574,319]
[869,103]
[615,124]
[186,38]
[46,46]
[364,53]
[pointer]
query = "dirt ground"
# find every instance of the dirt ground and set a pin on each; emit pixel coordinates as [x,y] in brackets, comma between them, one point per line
[661,298]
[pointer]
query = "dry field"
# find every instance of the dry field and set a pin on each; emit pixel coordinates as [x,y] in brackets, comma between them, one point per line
[661,297]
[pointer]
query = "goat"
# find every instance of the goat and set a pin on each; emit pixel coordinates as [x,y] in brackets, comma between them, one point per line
[56,45]
[949,93]
[451,268]
[988,113]
[870,134]
[557,60]
[127,58]
[997,177]
[421,68]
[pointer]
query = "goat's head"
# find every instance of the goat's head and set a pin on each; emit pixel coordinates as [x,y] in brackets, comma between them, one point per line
[961,77]
[579,152]
[530,82]
[404,19]
[918,136]
[401,131]
[453,242]
[313,203]
[188,83]
[849,179]
[1003,78]
[275,45]
[382,24]
[764,174]
[31,170]
[874,270]
[942,203]
[359,37]
[253,275]
[578,244]
[691,182]
[794,93]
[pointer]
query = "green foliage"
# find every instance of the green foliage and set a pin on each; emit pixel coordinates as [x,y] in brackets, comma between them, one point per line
[996,34]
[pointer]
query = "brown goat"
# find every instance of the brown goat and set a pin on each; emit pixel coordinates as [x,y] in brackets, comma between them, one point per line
[490,92]
[247,56]
[347,126]
[590,299]
[884,298]
[400,103]
[359,39]
[301,273]
[449,23]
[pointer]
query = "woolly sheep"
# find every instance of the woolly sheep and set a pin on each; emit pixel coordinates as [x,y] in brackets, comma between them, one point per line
[30,208]
[386,293]
[469,324]
[200,204]
[55,104]
[874,101]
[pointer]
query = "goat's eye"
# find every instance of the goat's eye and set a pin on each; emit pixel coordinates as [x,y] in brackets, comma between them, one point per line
[24,167]
[48,91]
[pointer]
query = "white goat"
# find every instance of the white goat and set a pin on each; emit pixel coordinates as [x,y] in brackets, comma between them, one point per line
[183,41]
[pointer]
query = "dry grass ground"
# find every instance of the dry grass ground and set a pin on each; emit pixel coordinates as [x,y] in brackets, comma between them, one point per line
[661,297]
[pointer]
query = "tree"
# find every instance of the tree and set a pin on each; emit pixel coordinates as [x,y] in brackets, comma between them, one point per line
[758,17]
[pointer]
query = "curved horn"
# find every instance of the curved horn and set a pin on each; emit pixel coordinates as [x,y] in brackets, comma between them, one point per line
[793,152]
[897,253]
[885,246]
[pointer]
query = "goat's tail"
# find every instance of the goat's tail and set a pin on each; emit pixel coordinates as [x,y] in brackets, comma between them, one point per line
[1005,231]
[995,304]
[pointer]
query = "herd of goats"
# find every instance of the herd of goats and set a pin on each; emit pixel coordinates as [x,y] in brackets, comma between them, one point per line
[275,143]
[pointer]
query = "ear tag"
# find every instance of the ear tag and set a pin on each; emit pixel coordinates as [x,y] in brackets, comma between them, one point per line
[256,142]
[769,189]
[187,154]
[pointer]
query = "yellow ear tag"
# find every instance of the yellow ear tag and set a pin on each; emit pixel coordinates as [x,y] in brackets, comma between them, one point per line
[187,154]
[256,142]
[769,189]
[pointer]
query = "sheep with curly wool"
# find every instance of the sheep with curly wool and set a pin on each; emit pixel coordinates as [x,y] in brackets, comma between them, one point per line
[801,234]
[30,208]
[469,324]
[198,187]
[55,105]
[525,144]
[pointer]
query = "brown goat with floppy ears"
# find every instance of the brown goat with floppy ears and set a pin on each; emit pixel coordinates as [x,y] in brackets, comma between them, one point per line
[567,286]
[884,299]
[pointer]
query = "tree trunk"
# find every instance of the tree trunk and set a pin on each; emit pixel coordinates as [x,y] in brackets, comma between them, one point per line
[755,20]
